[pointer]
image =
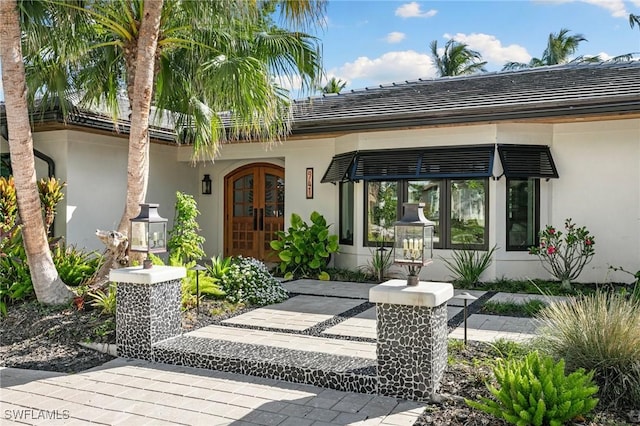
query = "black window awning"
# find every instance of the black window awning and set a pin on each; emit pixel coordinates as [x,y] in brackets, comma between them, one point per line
[340,168]
[413,163]
[527,161]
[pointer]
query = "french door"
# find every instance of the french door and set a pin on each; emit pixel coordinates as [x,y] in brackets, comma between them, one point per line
[254,210]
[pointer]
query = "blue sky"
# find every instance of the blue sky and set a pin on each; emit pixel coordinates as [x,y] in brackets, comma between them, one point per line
[367,43]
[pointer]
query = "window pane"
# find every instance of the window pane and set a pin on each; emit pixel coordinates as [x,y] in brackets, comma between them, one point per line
[346,213]
[382,210]
[522,213]
[427,192]
[468,211]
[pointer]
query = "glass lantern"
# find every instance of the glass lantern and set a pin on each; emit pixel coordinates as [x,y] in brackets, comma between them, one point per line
[413,246]
[148,233]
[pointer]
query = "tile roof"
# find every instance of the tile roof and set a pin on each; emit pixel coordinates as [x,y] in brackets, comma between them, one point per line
[537,92]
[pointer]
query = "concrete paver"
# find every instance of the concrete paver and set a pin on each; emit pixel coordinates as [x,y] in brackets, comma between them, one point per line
[256,400]
[524,298]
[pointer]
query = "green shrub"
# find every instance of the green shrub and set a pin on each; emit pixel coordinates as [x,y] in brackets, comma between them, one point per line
[565,258]
[104,300]
[219,266]
[305,250]
[468,265]
[248,280]
[534,390]
[381,261]
[75,266]
[15,279]
[184,240]
[206,284]
[598,332]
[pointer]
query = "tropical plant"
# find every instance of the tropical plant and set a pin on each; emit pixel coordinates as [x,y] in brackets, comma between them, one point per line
[467,265]
[50,190]
[48,287]
[334,85]
[196,59]
[534,390]
[560,47]
[219,266]
[74,265]
[380,262]
[15,279]
[635,291]
[104,300]
[184,240]
[201,283]
[248,280]
[305,249]
[8,204]
[565,258]
[634,20]
[457,59]
[599,332]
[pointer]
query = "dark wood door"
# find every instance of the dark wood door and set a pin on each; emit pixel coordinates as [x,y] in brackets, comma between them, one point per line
[254,210]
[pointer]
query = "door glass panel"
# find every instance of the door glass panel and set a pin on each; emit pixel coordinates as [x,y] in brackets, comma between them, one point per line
[522,213]
[243,196]
[427,192]
[468,211]
[273,196]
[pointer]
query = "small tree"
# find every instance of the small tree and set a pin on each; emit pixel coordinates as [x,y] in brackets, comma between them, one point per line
[184,241]
[565,258]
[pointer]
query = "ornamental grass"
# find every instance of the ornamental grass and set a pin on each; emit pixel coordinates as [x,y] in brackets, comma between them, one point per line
[599,332]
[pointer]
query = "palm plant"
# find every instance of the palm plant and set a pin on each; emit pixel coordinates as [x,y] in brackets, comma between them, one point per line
[634,20]
[334,85]
[211,56]
[560,47]
[457,59]
[46,282]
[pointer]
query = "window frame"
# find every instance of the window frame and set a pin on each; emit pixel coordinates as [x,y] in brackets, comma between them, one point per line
[536,239]
[341,189]
[444,242]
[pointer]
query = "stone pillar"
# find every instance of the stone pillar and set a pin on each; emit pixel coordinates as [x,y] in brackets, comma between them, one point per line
[147,308]
[412,337]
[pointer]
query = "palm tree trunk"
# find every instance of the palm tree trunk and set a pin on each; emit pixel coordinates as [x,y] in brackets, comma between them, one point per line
[143,79]
[48,287]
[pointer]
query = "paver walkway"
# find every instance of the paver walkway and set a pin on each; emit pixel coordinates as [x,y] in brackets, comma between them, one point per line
[325,327]
[134,392]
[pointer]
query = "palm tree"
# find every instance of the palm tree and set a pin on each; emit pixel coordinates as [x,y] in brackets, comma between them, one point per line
[457,59]
[211,56]
[634,20]
[48,287]
[334,85]
[560,47]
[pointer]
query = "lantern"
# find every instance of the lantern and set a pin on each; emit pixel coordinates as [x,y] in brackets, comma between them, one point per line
[206,185]
[148,233]
[413,246]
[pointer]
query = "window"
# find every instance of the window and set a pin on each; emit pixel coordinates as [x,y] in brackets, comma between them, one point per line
[346,213]
[382,211]
[523,213]
[457,206]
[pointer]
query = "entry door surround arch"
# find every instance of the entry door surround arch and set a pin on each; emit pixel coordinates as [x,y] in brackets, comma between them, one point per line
[253,209]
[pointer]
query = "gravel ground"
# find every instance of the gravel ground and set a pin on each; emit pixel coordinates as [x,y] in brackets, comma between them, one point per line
[35,337]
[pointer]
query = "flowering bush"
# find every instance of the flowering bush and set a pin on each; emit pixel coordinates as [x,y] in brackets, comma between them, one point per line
[565,257]
[248,280]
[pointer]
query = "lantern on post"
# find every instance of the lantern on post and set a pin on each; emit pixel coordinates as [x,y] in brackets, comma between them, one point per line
[413,246]
[148,232]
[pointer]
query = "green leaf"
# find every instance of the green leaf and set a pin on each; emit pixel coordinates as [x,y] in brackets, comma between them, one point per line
[285,255]
[324,276]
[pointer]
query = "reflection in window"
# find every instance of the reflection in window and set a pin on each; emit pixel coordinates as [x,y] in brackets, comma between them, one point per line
[467,216]
[427,192]
[522,213]
[382,210]
[346,213]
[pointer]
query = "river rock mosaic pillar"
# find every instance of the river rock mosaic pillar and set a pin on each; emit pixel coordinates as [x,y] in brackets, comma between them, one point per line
[412,337]
[147,308]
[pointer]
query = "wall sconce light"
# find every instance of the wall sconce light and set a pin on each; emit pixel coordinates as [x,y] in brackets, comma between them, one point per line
[206,185]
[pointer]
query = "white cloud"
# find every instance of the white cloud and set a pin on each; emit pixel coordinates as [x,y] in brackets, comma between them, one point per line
[395,37]
[492,49]
[391,67]
[615,7]
[414,10]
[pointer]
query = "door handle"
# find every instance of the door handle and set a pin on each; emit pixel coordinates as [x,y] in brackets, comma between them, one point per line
[255,219]
[262,219]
